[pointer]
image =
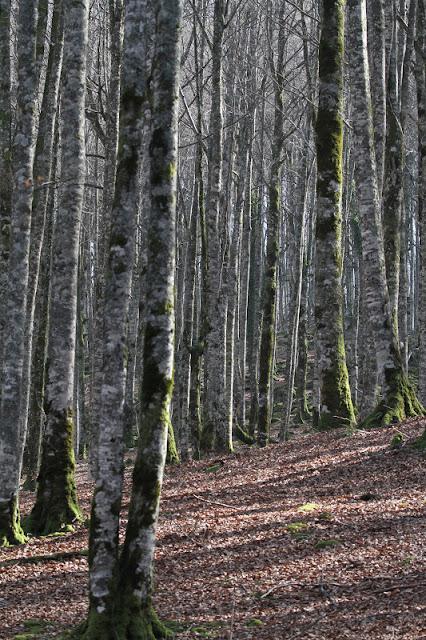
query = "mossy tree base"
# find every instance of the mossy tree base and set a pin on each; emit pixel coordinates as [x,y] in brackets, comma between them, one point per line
[337,409]
[129,623]
[243,436]
[56,508]
[11,532]
[44,522]
[399,404]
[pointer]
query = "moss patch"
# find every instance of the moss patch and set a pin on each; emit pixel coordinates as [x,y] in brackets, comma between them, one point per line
[308,507]
[400,402]
[420,443]
[56,508]
[128,621]
[11,532]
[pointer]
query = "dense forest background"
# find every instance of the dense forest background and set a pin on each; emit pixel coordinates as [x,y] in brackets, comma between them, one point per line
[211,237]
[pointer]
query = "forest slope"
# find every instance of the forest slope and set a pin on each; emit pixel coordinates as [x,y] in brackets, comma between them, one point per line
[323,537]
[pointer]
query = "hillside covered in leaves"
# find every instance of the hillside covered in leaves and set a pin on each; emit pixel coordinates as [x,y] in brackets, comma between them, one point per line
[321,538]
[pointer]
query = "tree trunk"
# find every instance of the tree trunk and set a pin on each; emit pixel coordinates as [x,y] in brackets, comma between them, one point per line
[122,608]
[399,400]
[11,451]
[335,407]
[217,431]
[56,504]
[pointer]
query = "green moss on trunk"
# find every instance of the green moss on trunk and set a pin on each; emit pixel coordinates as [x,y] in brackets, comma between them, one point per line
[56,507]
[336,393]
[10,528]
[336,407]
[400,402]
[243,436]
[172,452]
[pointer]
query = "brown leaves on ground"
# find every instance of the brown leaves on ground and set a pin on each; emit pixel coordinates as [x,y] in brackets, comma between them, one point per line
[323,537]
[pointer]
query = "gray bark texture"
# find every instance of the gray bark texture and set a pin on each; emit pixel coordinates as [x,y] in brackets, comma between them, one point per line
[108,487]
[126,612]
[56,503]
[11,439]
[217,432]
[335,403]
[399,400]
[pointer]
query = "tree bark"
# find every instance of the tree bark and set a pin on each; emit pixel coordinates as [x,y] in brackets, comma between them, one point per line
[399,400]
[335,405]
[11,451]
[56,504]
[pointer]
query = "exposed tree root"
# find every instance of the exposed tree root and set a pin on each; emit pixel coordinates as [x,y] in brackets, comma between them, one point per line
[400,403]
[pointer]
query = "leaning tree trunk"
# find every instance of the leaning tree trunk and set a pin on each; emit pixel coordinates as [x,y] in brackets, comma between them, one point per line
[56,503]
[399,399]
[12,441]
[335,405]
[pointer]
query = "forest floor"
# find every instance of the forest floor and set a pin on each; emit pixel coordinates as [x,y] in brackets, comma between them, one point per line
[323,537]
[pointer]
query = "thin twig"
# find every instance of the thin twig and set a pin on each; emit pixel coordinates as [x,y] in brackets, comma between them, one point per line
[219,504]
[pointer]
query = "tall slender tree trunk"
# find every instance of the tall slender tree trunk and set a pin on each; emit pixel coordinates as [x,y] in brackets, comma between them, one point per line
[122,607]
[269,287]
[11,437]
[217,431]
[392,189]
[377,58]
[107,497]
[5,158]
[421,102]
[43,162]
[116,11]
[335,408]
[56,504]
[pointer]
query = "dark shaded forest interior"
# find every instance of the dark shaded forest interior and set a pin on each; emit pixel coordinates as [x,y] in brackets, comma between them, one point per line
[212,319]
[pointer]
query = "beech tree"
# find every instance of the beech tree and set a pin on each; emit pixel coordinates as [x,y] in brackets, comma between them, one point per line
[56,503]
[12,439]
[335,402]
[399,398]
[121,589]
